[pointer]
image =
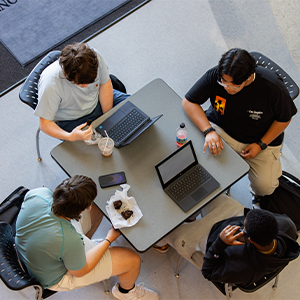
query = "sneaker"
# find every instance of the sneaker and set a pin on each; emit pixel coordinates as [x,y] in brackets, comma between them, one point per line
[162,249]
[190,220]
[139,292]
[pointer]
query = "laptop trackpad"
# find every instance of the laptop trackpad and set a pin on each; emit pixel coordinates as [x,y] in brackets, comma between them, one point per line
[115,118]
[198,195]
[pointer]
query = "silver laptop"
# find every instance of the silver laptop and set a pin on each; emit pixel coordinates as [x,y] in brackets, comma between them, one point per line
[184,179]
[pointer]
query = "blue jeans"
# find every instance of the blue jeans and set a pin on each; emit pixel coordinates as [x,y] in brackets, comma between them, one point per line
[97,112]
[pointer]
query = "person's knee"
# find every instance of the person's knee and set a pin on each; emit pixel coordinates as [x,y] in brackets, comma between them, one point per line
[135,258]
[263,186]
[124,259]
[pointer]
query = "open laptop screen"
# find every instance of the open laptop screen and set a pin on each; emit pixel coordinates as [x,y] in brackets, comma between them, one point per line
[176,163]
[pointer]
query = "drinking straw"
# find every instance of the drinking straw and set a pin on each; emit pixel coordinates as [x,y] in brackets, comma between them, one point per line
[107,139]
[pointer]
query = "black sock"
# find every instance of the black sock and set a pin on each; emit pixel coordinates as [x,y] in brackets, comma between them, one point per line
[123,291]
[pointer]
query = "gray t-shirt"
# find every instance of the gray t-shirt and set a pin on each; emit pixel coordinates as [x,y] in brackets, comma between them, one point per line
[61,100]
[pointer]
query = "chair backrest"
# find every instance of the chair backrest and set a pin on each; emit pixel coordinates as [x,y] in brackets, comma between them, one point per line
[266,62]
[226,288]
[261,282]
[29,90]
[11,273]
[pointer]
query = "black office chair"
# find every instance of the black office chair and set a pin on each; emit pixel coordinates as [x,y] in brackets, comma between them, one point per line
[293,89]
[227,288]
[11,272]
[14,276]
[264,61]
[29,91]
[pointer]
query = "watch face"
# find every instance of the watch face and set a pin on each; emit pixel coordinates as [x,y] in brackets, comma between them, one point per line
[262,145]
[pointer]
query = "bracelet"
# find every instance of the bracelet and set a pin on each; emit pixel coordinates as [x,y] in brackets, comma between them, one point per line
[208,130]
[108,241]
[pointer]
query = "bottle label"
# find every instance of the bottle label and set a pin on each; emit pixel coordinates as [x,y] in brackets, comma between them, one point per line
[181,140]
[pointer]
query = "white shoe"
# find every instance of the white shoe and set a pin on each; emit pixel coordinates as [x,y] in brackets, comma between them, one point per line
[139,292]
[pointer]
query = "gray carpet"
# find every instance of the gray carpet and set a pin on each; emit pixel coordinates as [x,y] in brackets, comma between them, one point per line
[12,73]
[41,25]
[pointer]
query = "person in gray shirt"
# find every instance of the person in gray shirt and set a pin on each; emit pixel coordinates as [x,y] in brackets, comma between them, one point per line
[73,89]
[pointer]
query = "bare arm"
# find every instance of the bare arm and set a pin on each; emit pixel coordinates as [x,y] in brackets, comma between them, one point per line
[197,115]
[52,129]
[273,132]
[106,96]
[94,255]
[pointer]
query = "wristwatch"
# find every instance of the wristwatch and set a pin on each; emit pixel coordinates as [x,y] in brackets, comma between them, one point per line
[262,145]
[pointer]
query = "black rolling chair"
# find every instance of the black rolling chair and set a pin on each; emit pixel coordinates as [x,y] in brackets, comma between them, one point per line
[227,288]
[29,91]
[14,276]
[262,60]
[11,272]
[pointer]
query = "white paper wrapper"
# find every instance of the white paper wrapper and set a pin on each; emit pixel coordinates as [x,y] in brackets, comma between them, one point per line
[127,203]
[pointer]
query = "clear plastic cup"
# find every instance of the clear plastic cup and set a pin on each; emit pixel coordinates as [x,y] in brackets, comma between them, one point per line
[106,145]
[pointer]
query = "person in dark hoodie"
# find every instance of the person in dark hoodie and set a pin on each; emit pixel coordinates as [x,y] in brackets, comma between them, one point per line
[211,242]
[269,244]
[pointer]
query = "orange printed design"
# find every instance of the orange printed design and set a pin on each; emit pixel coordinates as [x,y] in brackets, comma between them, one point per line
[219,105]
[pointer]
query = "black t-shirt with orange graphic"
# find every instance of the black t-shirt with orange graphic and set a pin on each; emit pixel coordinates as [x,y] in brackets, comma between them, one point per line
[247,115]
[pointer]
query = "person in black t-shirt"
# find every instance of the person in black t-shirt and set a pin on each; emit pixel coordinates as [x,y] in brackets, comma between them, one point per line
[250,109]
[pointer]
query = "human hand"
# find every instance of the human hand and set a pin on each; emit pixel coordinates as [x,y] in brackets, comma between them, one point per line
[251,151]
[113,234]
[77,134]
[229,237]
[214,142]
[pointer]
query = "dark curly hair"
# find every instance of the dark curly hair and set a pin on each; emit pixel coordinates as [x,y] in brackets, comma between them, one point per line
[73,196]
[261,226]
[79,63]
[238,64]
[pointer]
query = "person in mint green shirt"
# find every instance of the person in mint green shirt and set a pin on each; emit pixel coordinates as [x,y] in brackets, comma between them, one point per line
[53,232]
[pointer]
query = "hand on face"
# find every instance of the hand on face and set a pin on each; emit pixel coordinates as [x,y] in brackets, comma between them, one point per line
[229,237]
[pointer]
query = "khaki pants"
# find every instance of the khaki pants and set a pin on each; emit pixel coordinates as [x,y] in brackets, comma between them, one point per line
[265,168]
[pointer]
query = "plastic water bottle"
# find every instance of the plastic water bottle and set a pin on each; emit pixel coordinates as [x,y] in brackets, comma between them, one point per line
[181,135]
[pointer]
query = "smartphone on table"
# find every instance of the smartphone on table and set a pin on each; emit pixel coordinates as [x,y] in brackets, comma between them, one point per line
[112,179]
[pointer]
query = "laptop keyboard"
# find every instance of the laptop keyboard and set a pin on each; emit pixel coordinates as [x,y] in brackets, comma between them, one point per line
[188,183]
[125,127]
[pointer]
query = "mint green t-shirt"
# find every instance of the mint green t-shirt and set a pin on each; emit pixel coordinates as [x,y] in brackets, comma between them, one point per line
[47,244]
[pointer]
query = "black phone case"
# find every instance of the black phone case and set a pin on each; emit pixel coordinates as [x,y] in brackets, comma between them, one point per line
[108,180]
